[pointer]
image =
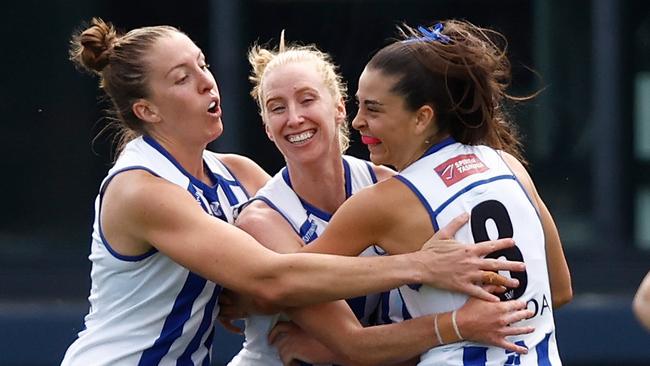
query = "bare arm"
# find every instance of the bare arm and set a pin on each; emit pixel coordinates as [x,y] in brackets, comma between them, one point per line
[559,275]
[641,303]
[387,214]
[337,328]
[140,211]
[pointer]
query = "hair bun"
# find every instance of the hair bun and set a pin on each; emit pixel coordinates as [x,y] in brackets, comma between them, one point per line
[91,48]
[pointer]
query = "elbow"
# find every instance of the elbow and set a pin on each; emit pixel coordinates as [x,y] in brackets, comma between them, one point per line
[269,296]
[563,297]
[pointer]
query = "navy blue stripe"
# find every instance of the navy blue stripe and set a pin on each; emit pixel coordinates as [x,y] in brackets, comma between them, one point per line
[406,315]
[235,182]
[206,323]
[469,188]
[358,306]
[208,344]
[474,356]
[373,176]
[348,180]
[225,185]
[197,182]
[311,209]
[173,326]
[128,258]
[384,300]
[542,352]
[424,201]
[437,147]
[530,199]
[277,209]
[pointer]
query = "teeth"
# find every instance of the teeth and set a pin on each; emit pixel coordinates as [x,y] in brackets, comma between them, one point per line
[301,137]
[212,105]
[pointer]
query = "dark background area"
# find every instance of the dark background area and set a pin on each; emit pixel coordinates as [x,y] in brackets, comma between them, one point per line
[584,135]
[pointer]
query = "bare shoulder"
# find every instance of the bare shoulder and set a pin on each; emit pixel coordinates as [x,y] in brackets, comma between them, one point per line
[521,173]
[252,176]
[268,227]
[382,172]
[380,202]
[136,203]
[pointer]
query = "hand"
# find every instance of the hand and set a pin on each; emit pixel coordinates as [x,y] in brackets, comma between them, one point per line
[294,345]
[490,322]
[231,309]
[463,268]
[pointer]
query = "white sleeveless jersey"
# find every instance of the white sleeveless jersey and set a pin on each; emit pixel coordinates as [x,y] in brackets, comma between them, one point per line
[147,309]
[450,179]
[308,222]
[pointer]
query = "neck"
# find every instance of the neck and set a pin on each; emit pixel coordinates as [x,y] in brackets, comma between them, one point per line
[321,183]
[188,156]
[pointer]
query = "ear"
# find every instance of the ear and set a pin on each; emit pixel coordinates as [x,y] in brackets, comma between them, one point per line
[268,132]
[341,113]
[424,119]
[145,111]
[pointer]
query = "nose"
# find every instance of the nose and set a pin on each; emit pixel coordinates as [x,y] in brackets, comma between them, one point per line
[358,122]
[207,82]
[294,115]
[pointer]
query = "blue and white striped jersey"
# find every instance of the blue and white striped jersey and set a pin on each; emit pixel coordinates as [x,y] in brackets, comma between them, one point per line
[147,309]
[308,222]
[450,179]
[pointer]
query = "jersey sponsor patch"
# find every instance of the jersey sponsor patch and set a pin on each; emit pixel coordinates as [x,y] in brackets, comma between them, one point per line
[455,169]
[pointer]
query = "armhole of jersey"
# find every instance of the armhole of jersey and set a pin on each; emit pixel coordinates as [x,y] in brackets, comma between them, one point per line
[276,209]
[128,258]
[373,175]
[530,199]
[235,180]
[432,214]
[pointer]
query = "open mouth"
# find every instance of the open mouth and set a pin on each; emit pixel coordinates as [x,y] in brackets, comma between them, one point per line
[301,137]
[213,107]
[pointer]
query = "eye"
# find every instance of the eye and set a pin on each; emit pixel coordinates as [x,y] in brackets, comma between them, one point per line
[181,80]
[276,108]
[205,67]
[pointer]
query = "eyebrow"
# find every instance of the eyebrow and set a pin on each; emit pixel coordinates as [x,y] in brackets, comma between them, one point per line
[183,64]
[298,91]
[370,102]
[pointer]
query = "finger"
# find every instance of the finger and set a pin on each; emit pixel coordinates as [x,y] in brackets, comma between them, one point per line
[513,347]
[494,289]
[494,265]
[480,292]
[229,326]
[279,329]
[452,227]
[487,247]
[512,331]
[519,315]
[499,280]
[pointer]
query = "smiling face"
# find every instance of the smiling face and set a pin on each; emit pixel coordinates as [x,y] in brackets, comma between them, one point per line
[184,102]
[300,113]
[393,133]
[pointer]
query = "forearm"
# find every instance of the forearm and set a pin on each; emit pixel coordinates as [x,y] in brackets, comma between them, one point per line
[303,279]
[336,327]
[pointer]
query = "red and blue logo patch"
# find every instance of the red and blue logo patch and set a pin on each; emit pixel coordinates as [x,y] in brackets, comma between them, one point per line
[455,169]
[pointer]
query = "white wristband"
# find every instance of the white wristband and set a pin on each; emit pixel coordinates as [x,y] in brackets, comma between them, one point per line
[453,322]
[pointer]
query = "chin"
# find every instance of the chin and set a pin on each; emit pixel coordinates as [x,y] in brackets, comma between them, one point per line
[217,132]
